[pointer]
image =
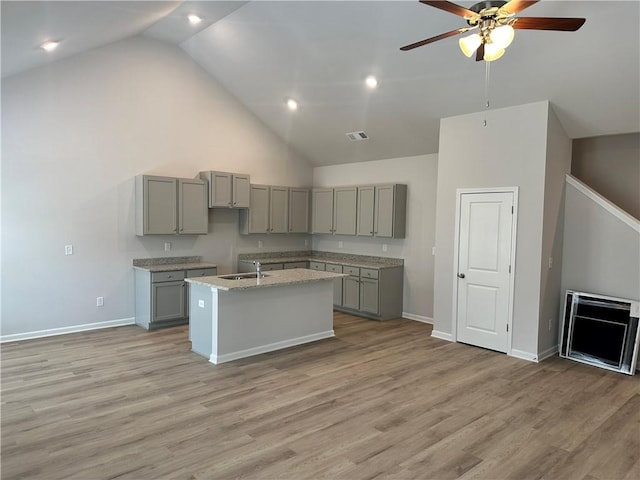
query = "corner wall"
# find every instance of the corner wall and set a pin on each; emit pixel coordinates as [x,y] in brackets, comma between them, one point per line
[509,151]
[74,135]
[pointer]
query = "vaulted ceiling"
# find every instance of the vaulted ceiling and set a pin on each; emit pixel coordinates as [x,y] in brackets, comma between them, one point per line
[319,53]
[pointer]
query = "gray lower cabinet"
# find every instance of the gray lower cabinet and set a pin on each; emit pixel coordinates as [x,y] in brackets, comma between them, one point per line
[337,283]
[369,291]
[162,298]
[372,293]
[351,288]
[290,265]
[271,266]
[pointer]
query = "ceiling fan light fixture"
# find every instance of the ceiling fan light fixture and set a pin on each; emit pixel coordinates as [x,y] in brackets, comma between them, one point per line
[502,36]
[470,44]
[492,52]
[292,104]
[194,19]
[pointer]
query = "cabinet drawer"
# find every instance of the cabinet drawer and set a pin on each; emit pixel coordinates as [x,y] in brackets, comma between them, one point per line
[334,268]
[355,271]
[316,266]
[271,266]
[167,276]
[290,265]
[368,273]
[202,272]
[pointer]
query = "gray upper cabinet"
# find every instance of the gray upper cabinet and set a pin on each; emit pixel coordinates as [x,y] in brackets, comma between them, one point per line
[322,210]
[228,190]
[268,212]
[345,200]
[382,210]
[298,210]
[366,200]
[169,206]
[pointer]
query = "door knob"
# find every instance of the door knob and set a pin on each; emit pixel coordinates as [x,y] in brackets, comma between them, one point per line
[461,275]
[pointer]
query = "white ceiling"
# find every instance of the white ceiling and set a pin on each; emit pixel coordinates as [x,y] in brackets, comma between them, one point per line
[320,52]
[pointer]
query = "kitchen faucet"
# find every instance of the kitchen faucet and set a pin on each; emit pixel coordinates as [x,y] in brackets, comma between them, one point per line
[257,264]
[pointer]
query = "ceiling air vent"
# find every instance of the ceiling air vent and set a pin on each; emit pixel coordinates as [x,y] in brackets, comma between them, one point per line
[357,136]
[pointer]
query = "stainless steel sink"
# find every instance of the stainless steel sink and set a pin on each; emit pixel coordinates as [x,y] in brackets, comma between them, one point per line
[243,276]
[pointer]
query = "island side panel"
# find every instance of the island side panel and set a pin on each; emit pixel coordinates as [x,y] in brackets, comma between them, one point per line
[260,320]
[201,318]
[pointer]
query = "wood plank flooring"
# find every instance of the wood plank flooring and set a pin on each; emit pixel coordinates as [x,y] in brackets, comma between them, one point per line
[381,400]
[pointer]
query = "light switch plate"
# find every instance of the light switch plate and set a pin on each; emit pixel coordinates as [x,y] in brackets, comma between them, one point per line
[384,247]
[201,303]
[68,249]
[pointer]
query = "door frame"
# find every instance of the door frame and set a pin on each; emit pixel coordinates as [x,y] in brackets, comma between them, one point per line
[512,260]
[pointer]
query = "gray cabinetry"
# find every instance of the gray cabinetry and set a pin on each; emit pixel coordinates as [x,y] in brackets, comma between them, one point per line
[162,298]
[322,210]
[169,206]
[369,298]
[344,210]
[228,190]
[351,288]
[290,265]
[298,210]
[337,283]
[382,210]
[268,211]
[317,266]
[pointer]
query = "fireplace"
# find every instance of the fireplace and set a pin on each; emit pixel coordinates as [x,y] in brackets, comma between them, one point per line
[601,331]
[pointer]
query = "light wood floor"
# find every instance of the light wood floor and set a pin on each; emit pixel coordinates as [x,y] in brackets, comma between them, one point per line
[381,400]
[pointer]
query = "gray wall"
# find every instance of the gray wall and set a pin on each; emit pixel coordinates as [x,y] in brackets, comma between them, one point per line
[74,135]
[420,174]
[601,250]
[611,166]
[511,150]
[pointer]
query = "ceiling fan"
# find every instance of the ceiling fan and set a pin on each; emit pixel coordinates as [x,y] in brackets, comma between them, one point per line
[495,22]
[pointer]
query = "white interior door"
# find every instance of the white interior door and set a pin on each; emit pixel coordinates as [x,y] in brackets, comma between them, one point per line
[484,270]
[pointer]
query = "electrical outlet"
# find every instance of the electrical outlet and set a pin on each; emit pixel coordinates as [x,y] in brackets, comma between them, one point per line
[550,263]
[341,244]
[167,246]
[99,301]
[68,249]
[384,247]
[260,244]
[201,303]
[433,251]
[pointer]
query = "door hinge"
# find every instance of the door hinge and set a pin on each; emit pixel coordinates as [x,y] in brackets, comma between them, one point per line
[511,209]
[507,327]
[509,268]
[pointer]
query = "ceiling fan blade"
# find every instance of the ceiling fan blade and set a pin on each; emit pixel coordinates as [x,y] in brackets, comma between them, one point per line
[480,53]
[544,23]
[515,6]
[451,8]
[433,39]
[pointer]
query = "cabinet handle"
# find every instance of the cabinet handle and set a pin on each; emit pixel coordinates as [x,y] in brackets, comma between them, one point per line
[371,233]
[169,276]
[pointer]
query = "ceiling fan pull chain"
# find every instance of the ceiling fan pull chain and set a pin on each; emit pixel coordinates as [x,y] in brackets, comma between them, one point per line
[487,66]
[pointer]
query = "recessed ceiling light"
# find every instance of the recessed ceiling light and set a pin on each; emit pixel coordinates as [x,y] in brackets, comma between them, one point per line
[292,104]
[371,81]
[194,19]
[49,46]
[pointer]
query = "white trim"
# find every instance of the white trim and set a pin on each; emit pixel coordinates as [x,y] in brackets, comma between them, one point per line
[612,208]
[532,357]
[442,335]
[417,318]
[514,230]
[228,357]
[549,352]
[50,332]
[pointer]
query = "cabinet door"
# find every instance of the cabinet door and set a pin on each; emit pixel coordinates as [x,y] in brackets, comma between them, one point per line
[168,301]
[259,210]
[193,215]
[344,210]
[351,292]
[366,202]
[317,266]
[160,205]
[278,209]
[291,265]
[298,210]
[383,224]
[241,191]
[271,266]
[220,188]
[337,283]
[369,295]
[322,210]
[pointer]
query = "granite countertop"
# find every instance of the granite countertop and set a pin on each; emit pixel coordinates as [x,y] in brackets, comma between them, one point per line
[276,278]
[171,264]
[362,261]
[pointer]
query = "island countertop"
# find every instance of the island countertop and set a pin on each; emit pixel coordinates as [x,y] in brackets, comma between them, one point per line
[271,279]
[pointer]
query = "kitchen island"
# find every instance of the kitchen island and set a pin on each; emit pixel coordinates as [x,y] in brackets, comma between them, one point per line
[235,318]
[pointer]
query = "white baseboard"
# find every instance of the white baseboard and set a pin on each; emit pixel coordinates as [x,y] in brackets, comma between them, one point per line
[442,335]
[417,318]
[228,357]
[532,357]
[16,337]
[549,352]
